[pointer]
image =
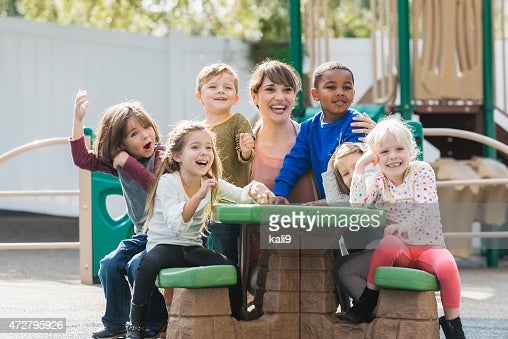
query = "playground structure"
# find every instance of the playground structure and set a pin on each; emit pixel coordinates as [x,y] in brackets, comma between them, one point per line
[433,62]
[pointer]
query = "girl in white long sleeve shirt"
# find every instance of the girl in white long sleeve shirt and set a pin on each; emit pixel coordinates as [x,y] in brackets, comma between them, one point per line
[187,185]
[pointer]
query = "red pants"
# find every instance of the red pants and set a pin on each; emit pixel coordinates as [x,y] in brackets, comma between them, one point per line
[392,251]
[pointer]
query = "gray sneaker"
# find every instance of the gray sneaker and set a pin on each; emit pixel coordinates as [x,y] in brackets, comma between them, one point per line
[105,333]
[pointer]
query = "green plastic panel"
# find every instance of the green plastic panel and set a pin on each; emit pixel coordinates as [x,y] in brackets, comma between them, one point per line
[236,213]
[259,214]
[401,278]
[197,277]
[417,130]
[107,232]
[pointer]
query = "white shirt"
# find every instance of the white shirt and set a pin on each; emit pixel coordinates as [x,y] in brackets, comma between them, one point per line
[167,225]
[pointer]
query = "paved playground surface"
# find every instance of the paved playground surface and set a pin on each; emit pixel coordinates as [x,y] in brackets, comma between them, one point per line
[46,284]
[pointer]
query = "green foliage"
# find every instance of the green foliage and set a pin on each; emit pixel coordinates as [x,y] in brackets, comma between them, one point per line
[350,19]
[252,20]
[272,49]
[9,8]
[264,24]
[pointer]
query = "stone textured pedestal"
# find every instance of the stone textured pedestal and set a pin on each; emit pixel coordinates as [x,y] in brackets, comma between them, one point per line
[400,314]
[299,302]
[201,313]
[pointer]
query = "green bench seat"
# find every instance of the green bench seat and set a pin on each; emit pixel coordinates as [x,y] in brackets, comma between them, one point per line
[402,278]
[196,277]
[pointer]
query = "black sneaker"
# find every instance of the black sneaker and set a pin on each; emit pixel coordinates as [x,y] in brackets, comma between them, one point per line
[105,333]
[153,332]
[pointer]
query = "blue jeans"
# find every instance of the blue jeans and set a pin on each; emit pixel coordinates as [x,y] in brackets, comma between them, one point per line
[114,267]
[225,239]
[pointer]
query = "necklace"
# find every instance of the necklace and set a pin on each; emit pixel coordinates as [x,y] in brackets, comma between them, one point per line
[388,191]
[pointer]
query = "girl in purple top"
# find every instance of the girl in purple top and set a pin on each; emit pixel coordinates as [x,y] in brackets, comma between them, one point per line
[126,146]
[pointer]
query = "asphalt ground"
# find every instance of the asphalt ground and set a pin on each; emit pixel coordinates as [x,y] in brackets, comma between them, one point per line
[46,284]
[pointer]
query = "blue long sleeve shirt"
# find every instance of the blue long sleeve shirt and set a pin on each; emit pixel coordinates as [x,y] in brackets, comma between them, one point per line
[313,147]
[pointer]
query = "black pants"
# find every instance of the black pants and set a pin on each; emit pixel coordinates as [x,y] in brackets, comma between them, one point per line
[167,256]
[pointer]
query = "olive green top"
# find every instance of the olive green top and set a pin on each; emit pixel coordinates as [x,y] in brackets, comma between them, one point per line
[235,169]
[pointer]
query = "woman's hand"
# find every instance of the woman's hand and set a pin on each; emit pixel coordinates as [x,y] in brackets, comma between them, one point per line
[278,200]
[362,124]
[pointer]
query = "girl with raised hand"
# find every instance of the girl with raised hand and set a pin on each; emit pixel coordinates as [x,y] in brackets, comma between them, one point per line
[126,146]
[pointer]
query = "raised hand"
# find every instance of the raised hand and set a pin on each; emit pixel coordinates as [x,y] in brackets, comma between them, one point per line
[81,105]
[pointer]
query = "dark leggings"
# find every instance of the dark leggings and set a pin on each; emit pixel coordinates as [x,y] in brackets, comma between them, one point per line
[352,271]
[167,256]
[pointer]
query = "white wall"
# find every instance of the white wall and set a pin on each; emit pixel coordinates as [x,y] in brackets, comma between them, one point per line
[42,65]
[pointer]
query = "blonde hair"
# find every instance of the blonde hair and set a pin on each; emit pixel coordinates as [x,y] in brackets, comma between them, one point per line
[177,140]
[112,129]
[399,129]
[341,151]
[212,70]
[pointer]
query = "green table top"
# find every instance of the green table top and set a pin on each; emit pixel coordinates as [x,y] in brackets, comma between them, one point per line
[261,214]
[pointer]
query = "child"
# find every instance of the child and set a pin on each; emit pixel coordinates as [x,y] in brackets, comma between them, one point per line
[217,91]
[126,146]
[188,183]
[333,87]
[406,190]
[350,269]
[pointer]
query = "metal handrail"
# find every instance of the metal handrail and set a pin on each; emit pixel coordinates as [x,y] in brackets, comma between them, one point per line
[35,193]
[32,145]
[451,132]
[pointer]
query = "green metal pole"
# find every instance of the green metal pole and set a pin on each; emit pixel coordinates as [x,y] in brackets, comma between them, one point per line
[406,108]
[489,125]
[295,45]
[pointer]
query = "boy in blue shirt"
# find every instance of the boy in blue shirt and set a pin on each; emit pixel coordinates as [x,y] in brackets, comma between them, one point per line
[333,87]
